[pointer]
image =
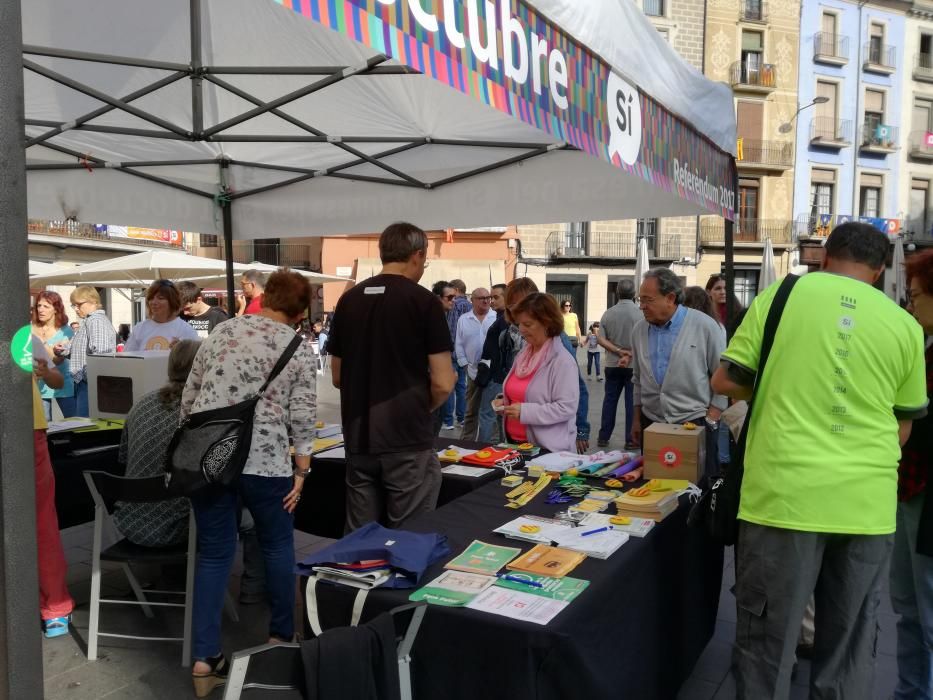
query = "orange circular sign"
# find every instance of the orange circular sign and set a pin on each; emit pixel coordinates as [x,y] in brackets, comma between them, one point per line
[670,457]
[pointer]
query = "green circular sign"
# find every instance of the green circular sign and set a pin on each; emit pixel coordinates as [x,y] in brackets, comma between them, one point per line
[21,348]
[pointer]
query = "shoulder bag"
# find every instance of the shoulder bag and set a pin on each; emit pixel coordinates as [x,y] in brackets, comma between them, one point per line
[717,510]
[210,447]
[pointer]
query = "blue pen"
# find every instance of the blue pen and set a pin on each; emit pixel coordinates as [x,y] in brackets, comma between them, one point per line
[533,584]
[593,532]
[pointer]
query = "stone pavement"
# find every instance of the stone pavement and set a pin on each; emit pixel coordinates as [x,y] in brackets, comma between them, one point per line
[130,670]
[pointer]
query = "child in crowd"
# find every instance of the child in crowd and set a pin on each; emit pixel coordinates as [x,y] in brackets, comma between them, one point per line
[592,350]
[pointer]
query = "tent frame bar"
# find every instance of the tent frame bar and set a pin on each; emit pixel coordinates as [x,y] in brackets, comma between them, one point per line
[197,91]
[34,50]
[104,97]
[304,70]
[101,128]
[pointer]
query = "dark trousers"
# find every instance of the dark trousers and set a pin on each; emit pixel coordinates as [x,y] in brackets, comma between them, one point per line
[592,357]
[391,488]
[775,577]
[618,380]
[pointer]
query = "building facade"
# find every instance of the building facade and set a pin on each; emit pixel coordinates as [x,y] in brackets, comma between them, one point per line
[851,131]
[916,153]
[753,46]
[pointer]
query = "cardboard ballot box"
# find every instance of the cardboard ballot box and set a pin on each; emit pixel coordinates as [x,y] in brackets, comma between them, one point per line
[673,452]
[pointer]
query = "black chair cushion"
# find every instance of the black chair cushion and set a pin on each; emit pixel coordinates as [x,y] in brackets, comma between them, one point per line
[124,551]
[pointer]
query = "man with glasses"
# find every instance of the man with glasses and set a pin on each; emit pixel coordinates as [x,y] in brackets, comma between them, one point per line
[490,373]
[471,334]
[253,282]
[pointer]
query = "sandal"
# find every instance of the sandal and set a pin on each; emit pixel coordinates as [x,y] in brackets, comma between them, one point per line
[204,683]
[56,626]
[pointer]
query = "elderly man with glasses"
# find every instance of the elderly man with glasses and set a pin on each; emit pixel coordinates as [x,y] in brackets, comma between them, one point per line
[468,347]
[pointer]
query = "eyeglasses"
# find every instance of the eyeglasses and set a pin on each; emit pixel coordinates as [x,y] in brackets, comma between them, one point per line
[481,298]
[77,306]
[449,297]
[566,306]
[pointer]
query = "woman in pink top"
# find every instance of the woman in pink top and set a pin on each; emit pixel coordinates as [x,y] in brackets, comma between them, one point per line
[541,391]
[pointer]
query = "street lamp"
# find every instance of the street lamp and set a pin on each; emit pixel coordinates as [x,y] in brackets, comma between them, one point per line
[789,125]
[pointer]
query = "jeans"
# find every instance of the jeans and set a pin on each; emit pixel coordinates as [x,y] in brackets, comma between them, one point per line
[592,357]
[618,379]
[776,574]
[912,598]
[488,419]
[80,399]
[216,514]
[456,402]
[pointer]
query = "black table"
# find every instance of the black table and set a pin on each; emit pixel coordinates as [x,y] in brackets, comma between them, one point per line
[323,506]
[72,452]
[636,632]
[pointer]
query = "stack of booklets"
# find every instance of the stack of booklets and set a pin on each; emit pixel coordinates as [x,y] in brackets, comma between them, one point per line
[482,558]
[364,574]
[544,560]
[532,528]
[655,505]
[326,430]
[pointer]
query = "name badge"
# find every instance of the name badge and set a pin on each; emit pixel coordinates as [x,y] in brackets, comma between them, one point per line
[374,290]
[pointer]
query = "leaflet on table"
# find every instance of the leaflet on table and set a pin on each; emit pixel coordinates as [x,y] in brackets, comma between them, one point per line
[453,588]
[69,424]
[322,444]
[592,542]
[565,589]
[517,605]
[452,453]
[636,527]
[463,470]
[531,528]
[332,453]
[482,558]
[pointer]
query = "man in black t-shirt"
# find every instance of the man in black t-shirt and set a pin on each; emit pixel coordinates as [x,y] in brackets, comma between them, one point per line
[390,348]
[201,316]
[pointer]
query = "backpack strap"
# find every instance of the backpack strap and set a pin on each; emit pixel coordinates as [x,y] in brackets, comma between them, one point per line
[283,360]
[311,606]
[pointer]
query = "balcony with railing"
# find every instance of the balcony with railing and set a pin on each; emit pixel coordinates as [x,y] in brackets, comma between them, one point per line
[280,254]
[752,77]
[878,138]
[753,11]
[564,245]
[70,228]
[766,156]
[923,67]
[921,145]
[829,132]
[780,231]
[832,49]
[879,58]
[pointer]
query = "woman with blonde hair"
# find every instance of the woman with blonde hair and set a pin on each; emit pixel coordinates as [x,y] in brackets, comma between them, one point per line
[95,336]
[148,430]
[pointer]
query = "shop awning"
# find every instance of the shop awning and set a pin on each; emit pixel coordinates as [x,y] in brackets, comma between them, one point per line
[309,117]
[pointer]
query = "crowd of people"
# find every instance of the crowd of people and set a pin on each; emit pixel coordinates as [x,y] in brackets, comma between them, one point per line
[823,504]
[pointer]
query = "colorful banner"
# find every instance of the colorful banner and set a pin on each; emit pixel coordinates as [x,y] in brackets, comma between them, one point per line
[928,139]
[159,235]
[518,63]
[891,227]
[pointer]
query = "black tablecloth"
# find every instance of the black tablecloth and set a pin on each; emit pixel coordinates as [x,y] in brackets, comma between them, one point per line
[322,509]
[72,453]
[636,632]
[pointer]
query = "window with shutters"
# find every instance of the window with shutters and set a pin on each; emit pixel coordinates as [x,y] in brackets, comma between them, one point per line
[750,121]
[749,203]
[876,43]
[918,213]
[870,195]
[874,117]
[575,237]
[648,229]
[822,191]
[752,57]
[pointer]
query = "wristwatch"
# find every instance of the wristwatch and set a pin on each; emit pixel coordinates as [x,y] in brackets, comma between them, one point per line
[302,473]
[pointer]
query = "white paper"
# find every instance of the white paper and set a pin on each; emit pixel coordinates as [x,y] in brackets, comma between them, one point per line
[73,424]
[462,582]
[639,527]
[461,453]
[40,351]
[600,545]
[517,605]
[548,530]
[462,470]
[333,453]
[557,461]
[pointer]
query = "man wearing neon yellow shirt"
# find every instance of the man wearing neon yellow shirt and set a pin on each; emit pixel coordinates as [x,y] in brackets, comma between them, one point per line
[845,379]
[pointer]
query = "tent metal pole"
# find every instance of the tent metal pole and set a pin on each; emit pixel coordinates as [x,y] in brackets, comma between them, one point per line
[121,165]
[159,84]
[501,164]
[20,648]
[227,213]
[266,138]
[33,50]
[60,127]
[337,168]
[104,97]
[305,70]
[197,92]
[730,250]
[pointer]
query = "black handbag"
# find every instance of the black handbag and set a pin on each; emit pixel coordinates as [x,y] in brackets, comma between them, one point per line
[717,510]
[210,447]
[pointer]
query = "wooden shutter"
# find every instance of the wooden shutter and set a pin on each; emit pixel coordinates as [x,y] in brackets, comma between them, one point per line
[750,117]
[824,176]
[829,26]
[874,101]
[827,90]
[871,180]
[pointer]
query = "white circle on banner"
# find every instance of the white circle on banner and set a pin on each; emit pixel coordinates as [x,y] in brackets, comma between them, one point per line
[623,109]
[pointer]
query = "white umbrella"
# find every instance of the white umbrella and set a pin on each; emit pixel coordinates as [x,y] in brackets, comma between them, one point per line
[41,268]
[768,275]
[312,277]
[139,270]
[899,286]
[641,262]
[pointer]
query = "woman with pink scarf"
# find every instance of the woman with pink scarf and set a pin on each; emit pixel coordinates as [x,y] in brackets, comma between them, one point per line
[541,392]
